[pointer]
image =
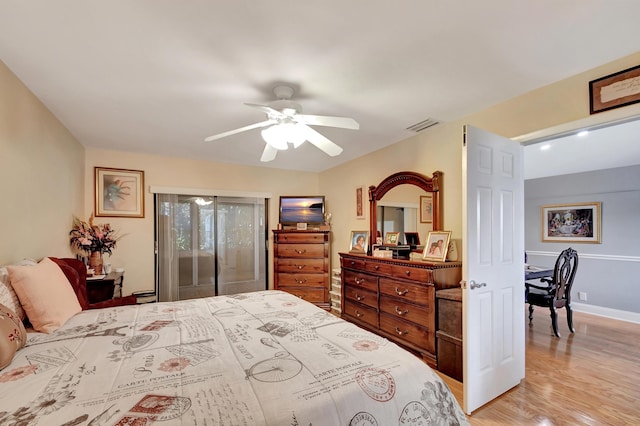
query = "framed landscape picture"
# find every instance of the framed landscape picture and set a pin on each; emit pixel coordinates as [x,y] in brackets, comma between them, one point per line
[576,223]
[119,192]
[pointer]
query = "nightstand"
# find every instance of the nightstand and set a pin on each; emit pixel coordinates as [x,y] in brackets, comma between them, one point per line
[104,287]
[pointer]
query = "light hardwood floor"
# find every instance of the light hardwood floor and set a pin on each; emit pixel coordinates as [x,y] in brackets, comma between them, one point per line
[591,377]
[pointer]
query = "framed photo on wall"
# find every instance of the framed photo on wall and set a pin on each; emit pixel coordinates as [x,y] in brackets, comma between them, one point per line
[360,202]
[359,241]
[576,223]
[436,246]
[426,208]
[119,192]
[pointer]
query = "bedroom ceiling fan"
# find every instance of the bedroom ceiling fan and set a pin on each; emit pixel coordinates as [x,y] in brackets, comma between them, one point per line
[286,125]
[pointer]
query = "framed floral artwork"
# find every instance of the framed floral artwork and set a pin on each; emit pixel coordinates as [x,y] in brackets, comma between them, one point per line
[360,202]
[391,238]
[119,192]
[426,208]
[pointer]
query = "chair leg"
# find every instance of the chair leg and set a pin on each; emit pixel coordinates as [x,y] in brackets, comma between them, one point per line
[570,318]
[554,321]
[530,313]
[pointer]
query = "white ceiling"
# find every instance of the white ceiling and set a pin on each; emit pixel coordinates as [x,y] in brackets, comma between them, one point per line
[601,148]
[158,76]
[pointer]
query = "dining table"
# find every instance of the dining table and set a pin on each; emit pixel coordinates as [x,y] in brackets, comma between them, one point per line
[532,272]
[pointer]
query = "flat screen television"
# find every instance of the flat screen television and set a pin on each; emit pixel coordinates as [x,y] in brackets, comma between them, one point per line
[301,209]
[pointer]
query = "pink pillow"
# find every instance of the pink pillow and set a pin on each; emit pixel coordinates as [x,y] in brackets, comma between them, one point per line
[45,294]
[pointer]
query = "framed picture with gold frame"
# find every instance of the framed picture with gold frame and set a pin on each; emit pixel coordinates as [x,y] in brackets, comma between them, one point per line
[436,246]
[119,192]
[575,223]
[391,238]
[359,241]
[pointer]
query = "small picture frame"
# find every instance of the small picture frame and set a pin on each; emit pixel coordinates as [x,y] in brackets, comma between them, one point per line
[360,202]
[437,245]
[301,226]
[391,238]
[359,241]
[413,239]
[119,192]
[426,208]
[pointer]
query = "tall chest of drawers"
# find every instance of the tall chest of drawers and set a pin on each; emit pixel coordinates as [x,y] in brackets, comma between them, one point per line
[396,298]
[301,264]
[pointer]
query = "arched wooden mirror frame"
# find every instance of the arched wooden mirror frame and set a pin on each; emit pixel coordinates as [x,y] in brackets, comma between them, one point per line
[404,178]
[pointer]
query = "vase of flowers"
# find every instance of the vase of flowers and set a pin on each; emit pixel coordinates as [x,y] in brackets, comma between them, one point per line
[92,241]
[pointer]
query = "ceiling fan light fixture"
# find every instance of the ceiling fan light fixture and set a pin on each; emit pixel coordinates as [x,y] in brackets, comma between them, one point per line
[275,136]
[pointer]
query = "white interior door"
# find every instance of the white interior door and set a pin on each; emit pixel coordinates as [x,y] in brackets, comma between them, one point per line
[493,265]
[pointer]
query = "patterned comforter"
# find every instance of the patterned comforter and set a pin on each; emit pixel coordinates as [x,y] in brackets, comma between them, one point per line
[263,358]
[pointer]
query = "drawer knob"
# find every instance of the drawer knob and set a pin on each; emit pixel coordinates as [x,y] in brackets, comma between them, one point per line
[358,281]
[358,297]
[407,272]
[300,266]
[376,267]
[302,281]
[301,251]
[400,332]
[399,312]
[401,293]
[358,314]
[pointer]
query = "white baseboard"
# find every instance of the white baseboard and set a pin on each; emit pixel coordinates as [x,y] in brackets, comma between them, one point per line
[607,312]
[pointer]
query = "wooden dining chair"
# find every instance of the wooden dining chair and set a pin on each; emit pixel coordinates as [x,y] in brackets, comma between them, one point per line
[557,293]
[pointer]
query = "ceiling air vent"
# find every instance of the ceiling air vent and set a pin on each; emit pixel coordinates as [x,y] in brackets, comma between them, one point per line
[424,124]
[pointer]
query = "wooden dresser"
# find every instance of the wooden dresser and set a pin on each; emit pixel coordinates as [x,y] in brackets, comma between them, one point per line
[396,298]
[301,264]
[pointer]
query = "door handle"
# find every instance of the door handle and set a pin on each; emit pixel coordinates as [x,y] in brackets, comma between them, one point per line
[473,285]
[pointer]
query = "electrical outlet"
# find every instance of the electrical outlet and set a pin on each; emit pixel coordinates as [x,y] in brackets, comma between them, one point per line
[582,295]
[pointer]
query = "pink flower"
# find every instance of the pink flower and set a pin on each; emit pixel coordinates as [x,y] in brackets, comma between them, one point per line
[174,364]
[17,373]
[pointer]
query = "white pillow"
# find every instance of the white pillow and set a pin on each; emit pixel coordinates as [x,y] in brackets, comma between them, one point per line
[45,294]
[8,296]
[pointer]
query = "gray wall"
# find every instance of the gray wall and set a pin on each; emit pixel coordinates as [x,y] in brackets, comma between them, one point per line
[609,272]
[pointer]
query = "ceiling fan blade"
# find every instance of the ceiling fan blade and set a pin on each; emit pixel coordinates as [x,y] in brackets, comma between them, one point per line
[241,129]
[320,141]
[269,153]
[325,120]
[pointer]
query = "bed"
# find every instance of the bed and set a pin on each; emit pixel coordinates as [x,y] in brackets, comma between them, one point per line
[262,358]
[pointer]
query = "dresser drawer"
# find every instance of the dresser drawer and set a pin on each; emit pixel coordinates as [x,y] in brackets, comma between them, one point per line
[378,268]
[301,237]
[313,280]
[352,263]
[358,294]
[421,337]
[360,312]
[410,273]
[422,294]
[302,265]
[358,279]
[301,250]
[419,314]
[310,294]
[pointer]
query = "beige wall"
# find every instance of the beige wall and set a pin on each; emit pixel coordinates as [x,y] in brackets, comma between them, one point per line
[41,176]
[135,250]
